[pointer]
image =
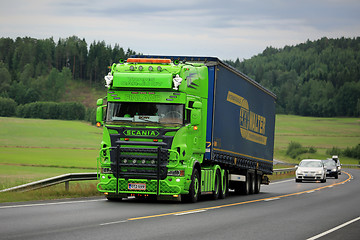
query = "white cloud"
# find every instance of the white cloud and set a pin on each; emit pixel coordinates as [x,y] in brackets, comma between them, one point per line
[227,29]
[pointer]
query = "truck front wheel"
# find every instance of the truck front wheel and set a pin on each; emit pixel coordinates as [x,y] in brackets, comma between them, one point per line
[194,190]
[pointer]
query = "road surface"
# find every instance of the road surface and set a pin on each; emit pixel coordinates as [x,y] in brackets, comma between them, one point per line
[282,210]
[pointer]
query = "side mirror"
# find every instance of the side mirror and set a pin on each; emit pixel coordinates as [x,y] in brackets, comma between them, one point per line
[100,102]
[99,112]
[197,105]
[195,116]
[296,166]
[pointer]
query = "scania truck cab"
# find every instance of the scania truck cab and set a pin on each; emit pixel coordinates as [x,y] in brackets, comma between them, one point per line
[159,137]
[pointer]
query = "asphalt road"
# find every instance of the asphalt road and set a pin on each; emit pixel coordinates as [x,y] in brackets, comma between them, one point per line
[282,210]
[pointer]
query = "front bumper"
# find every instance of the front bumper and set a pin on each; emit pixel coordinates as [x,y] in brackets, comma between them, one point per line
[168,186]
[331,173]
[309,176]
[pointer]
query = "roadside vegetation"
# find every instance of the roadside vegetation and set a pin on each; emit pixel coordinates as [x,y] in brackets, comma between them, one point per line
[34,149]
[298,137]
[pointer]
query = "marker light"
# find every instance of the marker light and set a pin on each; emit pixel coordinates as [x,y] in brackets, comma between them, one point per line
[98,124]
[195,128]
[148,60]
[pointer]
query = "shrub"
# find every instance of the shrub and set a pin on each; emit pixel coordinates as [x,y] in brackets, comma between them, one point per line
[353,152]
[52,110]
[7,107]
[90,115]
[312,150]
[334,151]
[295,149]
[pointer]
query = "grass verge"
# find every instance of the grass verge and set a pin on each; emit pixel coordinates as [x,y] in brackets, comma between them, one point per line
[76,189]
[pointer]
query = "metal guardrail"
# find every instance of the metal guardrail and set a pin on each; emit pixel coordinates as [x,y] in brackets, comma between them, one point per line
[350,166]
[283,171]
[65,178]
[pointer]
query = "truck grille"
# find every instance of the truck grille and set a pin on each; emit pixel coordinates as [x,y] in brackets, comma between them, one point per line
[139,157]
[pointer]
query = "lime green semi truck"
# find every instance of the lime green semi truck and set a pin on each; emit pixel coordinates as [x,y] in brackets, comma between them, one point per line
[177,127]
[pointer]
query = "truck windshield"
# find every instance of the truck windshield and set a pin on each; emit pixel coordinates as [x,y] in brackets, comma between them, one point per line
[145,112]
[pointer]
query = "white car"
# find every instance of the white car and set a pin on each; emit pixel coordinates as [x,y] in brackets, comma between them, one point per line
[310,169]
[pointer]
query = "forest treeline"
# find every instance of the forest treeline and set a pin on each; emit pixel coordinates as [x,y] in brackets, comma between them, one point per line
[33,70]
[317,78]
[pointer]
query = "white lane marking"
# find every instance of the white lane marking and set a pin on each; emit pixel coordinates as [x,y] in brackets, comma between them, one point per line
[310,192]
[271,199]
[184,213]
[48,204]
[109,223]
[283,181]
[334,229]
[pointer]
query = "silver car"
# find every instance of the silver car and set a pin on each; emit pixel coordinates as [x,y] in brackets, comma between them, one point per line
[310,169]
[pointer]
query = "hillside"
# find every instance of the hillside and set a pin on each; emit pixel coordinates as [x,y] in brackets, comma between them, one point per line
[315,78]
[79,91]
[319,78]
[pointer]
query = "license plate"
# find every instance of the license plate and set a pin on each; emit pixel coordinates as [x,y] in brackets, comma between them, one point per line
[136,186]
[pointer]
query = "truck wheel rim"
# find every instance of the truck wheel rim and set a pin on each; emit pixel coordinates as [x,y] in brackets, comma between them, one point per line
[196,187]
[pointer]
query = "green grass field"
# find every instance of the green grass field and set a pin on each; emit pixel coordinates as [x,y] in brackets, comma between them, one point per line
[321,133]
[33,149]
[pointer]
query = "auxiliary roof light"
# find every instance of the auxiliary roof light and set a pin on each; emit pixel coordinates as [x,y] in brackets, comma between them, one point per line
[108,79]
[151,68]
[148,60]
[177,81]
[132,68]
[141,68]
[159,68]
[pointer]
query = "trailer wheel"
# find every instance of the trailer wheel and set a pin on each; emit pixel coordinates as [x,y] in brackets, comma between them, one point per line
[225,188]
[217,185]
[258,183]
[252,183]
[245,186]
[194,190]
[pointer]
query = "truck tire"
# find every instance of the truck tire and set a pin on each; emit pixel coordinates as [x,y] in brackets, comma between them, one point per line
[257,183]
[245,186]
[224,188]
[217,185]
[252,183]
[194,190]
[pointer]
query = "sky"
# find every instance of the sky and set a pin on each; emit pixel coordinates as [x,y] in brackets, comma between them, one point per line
[228,29]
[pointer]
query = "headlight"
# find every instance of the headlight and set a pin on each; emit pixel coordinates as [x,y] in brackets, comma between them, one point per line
[176,173]
[106,170]
[299,171]
[334,169]
[319,172]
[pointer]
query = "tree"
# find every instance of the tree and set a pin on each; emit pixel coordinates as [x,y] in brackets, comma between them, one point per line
[5,78]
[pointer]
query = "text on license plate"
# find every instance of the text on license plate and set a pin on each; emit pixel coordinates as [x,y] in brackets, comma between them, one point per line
[136,186]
